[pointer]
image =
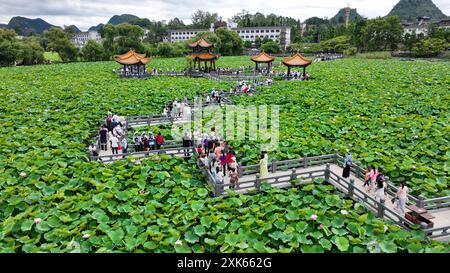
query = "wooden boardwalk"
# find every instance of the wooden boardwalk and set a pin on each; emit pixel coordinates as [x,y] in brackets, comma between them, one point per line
[442,216]
[284,173]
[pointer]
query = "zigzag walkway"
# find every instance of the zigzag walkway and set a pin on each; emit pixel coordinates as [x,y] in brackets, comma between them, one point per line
[293,173]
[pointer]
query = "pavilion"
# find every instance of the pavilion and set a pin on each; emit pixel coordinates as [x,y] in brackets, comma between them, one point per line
[261,58]
[133,63]
[201,52]
[296,60]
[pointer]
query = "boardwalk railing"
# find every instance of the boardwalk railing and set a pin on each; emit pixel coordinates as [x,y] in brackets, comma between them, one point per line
[153,119]
[185,152]
[429,204]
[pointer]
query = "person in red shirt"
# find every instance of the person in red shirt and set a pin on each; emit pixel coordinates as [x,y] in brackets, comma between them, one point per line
[159,141]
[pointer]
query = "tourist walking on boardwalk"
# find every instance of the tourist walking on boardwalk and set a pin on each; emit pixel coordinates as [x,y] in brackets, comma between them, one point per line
[380,192]
[231,161]
[217,150]
[402,195]
[137,142]
[124,144]
[187,142]
[263,162]
[347,164]
[151,141]
[114,144]
[200,150]
[234,178]
[159,141]
[367,183]
[373,177]
[145,142]
[103,138]
[93,149]
[108,122]
[219,175]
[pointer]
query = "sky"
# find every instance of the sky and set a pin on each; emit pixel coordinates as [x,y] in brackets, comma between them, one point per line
[86,13]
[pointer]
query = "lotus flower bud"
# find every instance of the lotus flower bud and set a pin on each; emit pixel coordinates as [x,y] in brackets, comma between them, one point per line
[23,174]
[313,217]
[37,220]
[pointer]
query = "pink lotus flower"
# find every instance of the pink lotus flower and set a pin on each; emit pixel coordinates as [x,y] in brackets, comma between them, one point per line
[37,220]
[313,217]
[23,174]
[86,236]
[321,226]
[178,243]
[137,162]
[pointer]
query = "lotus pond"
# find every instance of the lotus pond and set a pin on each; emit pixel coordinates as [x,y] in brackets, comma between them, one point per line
[393,113]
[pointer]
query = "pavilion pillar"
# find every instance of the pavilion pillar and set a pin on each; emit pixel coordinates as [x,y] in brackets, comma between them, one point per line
[304,71]
[256,64]
[289,71]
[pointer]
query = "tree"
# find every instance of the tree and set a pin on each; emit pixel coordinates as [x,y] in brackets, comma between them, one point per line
[9,47]
[31,52]
[230,42]
[204,19]
[409,39]
[383,33]
[118,39]
[338,44]
[356,33]
[93,52]
[165,49]
[270,47]
[59,41]
[176,23]
[247,44]
[430,47]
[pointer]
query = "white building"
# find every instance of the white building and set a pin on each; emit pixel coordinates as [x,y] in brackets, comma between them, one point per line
[180,35]
[281,34]
[81,39]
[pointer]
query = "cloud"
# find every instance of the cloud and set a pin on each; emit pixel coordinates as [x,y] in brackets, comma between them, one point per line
[86,13]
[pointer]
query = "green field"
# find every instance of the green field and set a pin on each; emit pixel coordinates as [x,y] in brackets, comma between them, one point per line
[394,114]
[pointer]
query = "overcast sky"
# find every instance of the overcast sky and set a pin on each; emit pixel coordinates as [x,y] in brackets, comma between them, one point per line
[86,13]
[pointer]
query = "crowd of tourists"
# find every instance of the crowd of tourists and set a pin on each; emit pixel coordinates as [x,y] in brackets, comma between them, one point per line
[376,184]
[111,132]
[215,97]
[176,109]
[147,142]
[327,57]
[216,155]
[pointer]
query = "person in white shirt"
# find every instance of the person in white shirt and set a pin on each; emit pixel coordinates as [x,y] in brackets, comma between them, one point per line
[114,144]
[93,150]
[219,175]
[402,196]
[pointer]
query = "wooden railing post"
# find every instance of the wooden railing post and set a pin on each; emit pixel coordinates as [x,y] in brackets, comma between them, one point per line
[327,172]
[257,183]
[351,187]
[240,171]
[274,166]
[293,174]
[420,201]
[218,191]
[380,213]
[305,162]
[148,120]
[335,157]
